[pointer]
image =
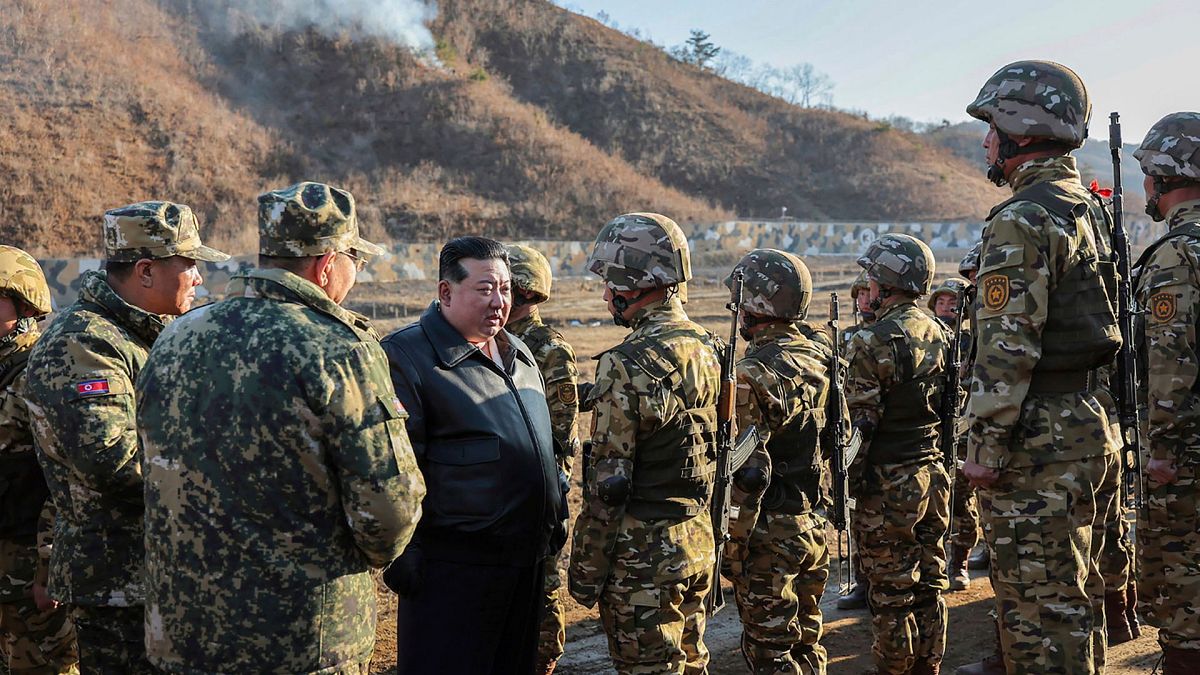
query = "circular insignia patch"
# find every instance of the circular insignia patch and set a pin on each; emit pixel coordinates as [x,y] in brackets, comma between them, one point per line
[995,292]
[567,393]
[1162,306]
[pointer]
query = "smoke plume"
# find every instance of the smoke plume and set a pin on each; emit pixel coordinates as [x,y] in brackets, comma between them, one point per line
[400,21]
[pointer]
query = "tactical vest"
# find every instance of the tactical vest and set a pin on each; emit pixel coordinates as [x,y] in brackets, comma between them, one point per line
[23,488]
[1191,231]
[1081,331]
[907,432]
[674,467]
[795,449]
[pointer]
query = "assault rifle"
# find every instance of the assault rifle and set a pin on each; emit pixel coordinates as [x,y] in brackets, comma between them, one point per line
[951,396]
[731,454]
[841,454]
[1133,488]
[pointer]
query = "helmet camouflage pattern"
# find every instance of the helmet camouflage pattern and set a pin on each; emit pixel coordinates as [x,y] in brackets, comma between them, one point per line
[1041,99]
[899,261]
[1171,148]
[970,261]
[641,251]
[21,277]
[775,283]
[309,219]
[530,271]
[861,283]
[954,286]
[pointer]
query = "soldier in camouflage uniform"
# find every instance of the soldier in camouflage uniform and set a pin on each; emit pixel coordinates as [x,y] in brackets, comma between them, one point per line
[1169,289]
[531,281]
[964,531]
[894,391]
[643,543]
[82,405]
[32,640]
[1042,445]
[266,524]
[859,293]
[777,555]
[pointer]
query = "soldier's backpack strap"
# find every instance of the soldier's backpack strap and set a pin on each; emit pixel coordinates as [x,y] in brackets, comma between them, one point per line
[12,367]
[905,362]
[648,357]
[1190,230]
[1049,196]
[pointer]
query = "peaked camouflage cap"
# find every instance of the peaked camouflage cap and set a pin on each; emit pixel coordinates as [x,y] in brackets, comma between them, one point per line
[1035,98]
[776,283]
[640,251]
[155,230]
[899,261]
[530,271]
[953,286]
[970,261]
[1172,147]
[309,219]
[22,276]
[861,283]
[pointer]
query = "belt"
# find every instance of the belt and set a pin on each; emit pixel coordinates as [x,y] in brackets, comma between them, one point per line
[1062,381]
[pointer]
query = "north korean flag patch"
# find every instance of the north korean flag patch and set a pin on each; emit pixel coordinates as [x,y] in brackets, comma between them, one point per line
[92,387]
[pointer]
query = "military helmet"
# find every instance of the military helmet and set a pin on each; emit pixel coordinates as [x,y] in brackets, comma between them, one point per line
[775,284]
[861,283]
[970,261]
[21,277]
[1042,99]
[953,286]
[641,251]
[530,271]
[1171,148]
[899,261]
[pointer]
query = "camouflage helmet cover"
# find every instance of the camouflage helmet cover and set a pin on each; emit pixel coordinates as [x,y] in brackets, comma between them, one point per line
[970,261]
[639,251]
[21,276]
[155,230]
[776,284]
[530,271]
[1171,148]
[861,283]
[899,261]
[1042,99]
[953,286]
[309,219]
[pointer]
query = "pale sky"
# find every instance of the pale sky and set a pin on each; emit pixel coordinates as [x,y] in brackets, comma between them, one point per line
[926,59]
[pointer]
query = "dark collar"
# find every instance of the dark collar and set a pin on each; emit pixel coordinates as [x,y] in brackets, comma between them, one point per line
[452,348]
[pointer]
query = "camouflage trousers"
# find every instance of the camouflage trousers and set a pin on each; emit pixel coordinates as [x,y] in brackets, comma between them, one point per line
[111,640]
[552,633]
[1041,525]
[778,590]
[656,625]
[900,520]
[1169,546]
[1112,549]
[965,528]
[34,642]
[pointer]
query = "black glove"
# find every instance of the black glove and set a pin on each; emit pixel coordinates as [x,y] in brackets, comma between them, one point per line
[403,576]
[559,539]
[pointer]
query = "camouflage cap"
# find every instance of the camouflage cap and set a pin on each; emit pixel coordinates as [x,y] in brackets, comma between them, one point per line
[899,261]
[22,276]
[954,286]
[970,261]
[1042,99]
[155,230]
[861,283]
[776,283]
[640,251]
[309,219]
[1171,148]
[530,271]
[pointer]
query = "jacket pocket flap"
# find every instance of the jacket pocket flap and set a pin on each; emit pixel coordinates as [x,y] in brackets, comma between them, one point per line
[464,451]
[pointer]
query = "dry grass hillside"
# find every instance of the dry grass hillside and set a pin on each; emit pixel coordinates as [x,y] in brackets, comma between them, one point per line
[539,123]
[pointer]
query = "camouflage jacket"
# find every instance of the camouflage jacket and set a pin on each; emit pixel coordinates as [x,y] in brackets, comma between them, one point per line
[629,407]
[1169,289]
[22,486]
[81,401]
[1028,249]
[556,359]
[877,384]
[278,472]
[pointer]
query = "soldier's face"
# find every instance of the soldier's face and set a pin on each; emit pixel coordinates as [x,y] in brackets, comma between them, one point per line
[944,306]
[478,306]
[991,145]
[8,316]
[172,285]
[863,301]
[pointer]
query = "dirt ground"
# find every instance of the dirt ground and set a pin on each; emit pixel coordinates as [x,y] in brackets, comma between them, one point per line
[578,311]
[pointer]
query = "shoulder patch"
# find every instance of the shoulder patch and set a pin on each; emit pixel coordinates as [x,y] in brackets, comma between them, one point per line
[995,292]
[568,393]
[1163,307]
[97,387]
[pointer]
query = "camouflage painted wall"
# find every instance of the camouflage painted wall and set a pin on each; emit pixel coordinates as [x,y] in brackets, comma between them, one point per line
[419,261]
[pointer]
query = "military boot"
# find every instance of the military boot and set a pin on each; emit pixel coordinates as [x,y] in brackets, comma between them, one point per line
[925,666]
[548,669]
[1178,661]
[1116,618]
[857,597]
[960,579]
[993,664]
[981,559]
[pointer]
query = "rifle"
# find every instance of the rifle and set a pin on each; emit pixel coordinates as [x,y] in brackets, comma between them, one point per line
[840,455]
[1133,488]
[951,397]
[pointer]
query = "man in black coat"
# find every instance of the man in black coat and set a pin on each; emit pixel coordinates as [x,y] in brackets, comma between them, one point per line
[470,583]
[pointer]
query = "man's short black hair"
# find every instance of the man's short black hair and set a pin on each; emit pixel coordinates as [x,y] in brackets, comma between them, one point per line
[296,266]
[119,271]
[475,248]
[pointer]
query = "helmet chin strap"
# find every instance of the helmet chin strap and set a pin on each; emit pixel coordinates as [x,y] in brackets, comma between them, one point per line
[877,301]
[1009,149]
[1161,187]
[622,304]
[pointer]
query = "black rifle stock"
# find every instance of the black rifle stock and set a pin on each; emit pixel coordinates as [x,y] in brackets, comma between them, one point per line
[719,506]
[1133,488]
[951,397]
[839,515]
